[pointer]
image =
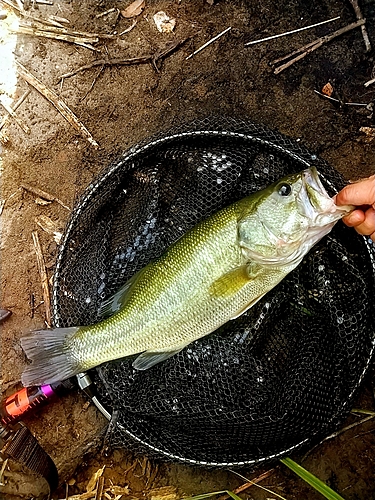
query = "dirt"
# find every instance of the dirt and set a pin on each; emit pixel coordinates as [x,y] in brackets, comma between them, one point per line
[121,105]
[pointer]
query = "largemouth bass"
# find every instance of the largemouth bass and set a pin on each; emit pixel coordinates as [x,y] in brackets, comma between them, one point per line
[214,273]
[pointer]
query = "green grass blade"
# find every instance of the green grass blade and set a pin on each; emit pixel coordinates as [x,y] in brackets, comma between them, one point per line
[233,495]
[312,480]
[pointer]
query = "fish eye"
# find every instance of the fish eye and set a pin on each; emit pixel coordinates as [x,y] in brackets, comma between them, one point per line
[284,189]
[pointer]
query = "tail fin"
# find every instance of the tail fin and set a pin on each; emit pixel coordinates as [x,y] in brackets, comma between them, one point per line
[52,361]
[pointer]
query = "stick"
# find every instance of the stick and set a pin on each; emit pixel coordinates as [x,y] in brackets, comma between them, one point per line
[43,277]
[82,41]
[92,85]
[129,28]
[15,106]
[40,24]
[248,484]
[57,102]
[306,49]
[42,194]
[337,433]
[128,62]
[290,32]
[370,82]
[18,120]
[359,16]
[360,104]
[208,43]
[109,11]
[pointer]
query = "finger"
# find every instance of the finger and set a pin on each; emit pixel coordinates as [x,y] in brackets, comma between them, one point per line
[359,193]
[355,218]
[367,227]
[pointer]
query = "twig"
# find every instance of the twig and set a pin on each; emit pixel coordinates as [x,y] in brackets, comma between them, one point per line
[290,32]
[109,11]
[359,16]
[337,433]
[42,194]
[370,82]
[50,227]
[60,105]
[129,28]
[83,42]
[208,43]
[18,120]
[99,488]
[25,14]
[15,106]
[128,62]
[360,104]
[43,277]
[248,484]
[41,25]
[92,85]
[307,49]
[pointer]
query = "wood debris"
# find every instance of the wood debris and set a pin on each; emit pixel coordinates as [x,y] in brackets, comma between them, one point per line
[359,16]
[126,30]
[369,82]
[43,277]
[50,227]
[209,42]
[163,493]
[42,194]
[150,58]
[249,483]
[302,52]
[15,106]
[105,13]
[46,33]
[18,120]
[96,489]
[272,37]
[60,105]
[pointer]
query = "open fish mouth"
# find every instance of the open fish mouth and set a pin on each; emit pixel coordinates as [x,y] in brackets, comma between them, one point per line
[317,203]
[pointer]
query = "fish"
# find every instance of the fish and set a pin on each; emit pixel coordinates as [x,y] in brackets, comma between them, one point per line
[212,274]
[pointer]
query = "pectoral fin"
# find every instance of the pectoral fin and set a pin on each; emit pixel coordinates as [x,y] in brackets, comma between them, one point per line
[231,282]
[150,358]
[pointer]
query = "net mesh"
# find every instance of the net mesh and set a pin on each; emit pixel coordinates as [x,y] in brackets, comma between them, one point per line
[279,376]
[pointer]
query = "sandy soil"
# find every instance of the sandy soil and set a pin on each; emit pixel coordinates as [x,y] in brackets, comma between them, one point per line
[121,105]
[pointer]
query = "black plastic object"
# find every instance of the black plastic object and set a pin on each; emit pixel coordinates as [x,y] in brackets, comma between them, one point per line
[281,375]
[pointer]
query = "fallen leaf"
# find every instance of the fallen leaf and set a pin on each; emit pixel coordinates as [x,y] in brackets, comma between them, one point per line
[164,23]
[369,133]
[134,9]
[327,89]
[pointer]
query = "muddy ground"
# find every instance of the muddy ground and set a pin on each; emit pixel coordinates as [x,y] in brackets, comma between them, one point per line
[121,105]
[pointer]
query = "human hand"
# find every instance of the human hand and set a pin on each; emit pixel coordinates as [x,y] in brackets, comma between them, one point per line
[362,195]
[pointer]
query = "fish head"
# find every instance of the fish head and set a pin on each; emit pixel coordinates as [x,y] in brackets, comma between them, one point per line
[286,219]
